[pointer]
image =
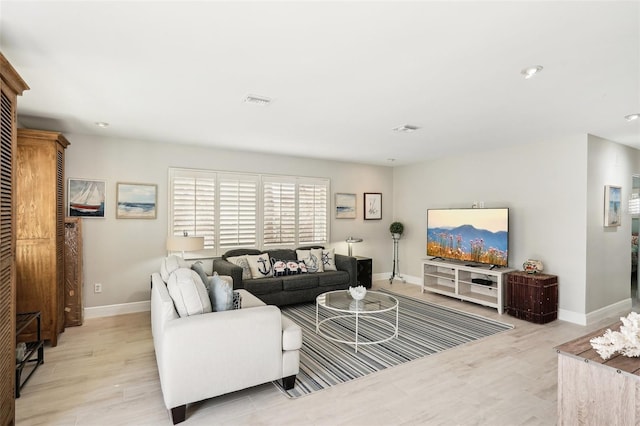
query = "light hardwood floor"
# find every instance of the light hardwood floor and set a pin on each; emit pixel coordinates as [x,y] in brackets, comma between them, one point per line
[104,373]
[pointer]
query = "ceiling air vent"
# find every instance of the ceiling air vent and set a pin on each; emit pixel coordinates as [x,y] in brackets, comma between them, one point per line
[407,128]
[257,100]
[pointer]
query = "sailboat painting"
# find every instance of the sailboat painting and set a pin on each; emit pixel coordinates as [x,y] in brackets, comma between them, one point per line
[136,201]
[86,198]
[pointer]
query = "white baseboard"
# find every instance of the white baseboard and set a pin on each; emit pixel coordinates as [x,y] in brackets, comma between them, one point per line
[616,310]
[119,309]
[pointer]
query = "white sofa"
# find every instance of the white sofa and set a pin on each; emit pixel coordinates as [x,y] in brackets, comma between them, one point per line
[211,354]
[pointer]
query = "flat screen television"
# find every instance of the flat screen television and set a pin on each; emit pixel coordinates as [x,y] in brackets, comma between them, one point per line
[477,236]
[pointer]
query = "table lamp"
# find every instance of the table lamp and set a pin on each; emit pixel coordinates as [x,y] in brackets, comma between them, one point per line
[350,242]
[184,243]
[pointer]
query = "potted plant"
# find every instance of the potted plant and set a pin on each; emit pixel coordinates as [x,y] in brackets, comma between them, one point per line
[396,229]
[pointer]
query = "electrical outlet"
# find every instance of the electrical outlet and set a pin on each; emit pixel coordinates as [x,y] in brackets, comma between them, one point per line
[97,288]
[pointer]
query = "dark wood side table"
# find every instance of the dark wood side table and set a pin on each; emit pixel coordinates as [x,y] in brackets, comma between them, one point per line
[35,347]
[532,297]
[364,271]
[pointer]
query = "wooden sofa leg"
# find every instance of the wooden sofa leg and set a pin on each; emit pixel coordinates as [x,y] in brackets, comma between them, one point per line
[288,382]
[179,414]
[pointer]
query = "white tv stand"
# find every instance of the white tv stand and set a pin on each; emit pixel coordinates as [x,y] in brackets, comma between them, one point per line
[455,279]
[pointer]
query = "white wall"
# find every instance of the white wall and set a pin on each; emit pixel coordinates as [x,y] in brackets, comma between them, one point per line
[543,185]
[608,255]
[122,253]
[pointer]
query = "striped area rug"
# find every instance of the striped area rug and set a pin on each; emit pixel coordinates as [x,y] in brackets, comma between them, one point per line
[424,328]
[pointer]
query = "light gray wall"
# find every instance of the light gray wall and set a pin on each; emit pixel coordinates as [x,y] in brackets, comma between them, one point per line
[122,253]
[543,185]
[608,261]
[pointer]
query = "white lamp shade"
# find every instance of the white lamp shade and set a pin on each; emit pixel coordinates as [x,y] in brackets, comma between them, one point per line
[185,243]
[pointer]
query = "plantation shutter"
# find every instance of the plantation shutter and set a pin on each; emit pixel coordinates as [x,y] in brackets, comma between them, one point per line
[193,204]
[238,210]
[279,212]
[312,212]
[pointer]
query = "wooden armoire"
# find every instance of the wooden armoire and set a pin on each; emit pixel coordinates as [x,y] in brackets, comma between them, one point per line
[40,228]
[11,85]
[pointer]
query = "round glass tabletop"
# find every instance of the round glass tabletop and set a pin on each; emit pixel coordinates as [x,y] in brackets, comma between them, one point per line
[341,301]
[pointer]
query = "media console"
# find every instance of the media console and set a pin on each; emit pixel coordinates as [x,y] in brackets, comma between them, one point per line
[477,284]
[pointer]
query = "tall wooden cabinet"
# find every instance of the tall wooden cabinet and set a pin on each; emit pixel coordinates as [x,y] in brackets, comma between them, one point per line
[11,85]
[40,228]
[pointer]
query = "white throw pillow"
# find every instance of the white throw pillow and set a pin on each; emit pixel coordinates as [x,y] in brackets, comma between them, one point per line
[243,263]
[312,258]
[260,265]
[188,293]
[170,264]
[221,294]
[329,260]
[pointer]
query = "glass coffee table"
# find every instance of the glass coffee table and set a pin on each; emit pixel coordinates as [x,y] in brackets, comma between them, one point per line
[345,316]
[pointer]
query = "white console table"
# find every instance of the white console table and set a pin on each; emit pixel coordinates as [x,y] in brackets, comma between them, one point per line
[459,280]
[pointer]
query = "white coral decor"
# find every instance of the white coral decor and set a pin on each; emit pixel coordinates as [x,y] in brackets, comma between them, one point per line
[626,341]
[358,293]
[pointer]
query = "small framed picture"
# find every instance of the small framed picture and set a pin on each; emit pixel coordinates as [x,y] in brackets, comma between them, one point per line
[345,206]
[372,206]
[87,198]
[612,205]
[136,200]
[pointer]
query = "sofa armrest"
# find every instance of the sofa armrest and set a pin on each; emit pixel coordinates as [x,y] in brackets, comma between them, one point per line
[224,267]
[349,264]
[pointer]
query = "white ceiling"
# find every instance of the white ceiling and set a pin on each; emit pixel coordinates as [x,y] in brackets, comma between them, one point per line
[341,74]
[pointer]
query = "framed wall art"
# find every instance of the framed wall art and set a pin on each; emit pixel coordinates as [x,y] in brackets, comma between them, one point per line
[612,205]
[372,205]
[87,198]
[136,200]
[345,206]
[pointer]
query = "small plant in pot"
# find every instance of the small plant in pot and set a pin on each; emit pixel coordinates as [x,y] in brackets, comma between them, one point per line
[396,229]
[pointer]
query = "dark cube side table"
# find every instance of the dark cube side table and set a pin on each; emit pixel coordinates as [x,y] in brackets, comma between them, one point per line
[364,271]
[532,297]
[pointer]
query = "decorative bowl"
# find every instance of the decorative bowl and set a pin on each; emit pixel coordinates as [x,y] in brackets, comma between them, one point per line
[358,293]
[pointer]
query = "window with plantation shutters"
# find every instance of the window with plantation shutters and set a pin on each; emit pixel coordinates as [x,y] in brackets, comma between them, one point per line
[238,211]
[192,204]
[247,210]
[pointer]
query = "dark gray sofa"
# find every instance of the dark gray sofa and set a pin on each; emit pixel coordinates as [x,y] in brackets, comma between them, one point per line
[291,289]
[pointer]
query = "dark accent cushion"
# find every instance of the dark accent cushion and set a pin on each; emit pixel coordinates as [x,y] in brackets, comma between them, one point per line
[263,285]
[199,268]
[300,282]
[331,278]
[237,300]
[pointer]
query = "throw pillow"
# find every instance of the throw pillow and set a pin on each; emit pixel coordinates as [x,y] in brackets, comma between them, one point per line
[170,264]
[278,267]
[260,265]
[242,262]
[329,260]
[293,267]
[188,293]
[221,294]
[199,268]
[302,267]
[312,259]
[237,300]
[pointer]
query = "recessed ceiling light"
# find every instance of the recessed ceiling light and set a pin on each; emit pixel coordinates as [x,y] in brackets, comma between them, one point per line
[632,117]
[531,71]
[407,128]
[257,100]
[102,124]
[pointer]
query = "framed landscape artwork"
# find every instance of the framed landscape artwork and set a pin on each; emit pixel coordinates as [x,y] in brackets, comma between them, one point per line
[612,205]
[136,200]
[372,205]
[87,198]
[345,206]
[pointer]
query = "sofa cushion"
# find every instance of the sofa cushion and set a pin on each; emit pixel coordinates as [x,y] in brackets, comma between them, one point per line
[242,262]
[199,268]
[264,285]
[188,293]
[332,278]
[260,265]
[329,260]
[237,300]
[299,282]
[170,264]
[312,258]
[282,254]
[239,252]
[221,294]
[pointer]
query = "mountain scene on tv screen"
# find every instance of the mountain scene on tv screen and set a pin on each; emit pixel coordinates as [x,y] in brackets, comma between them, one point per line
[468,244]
